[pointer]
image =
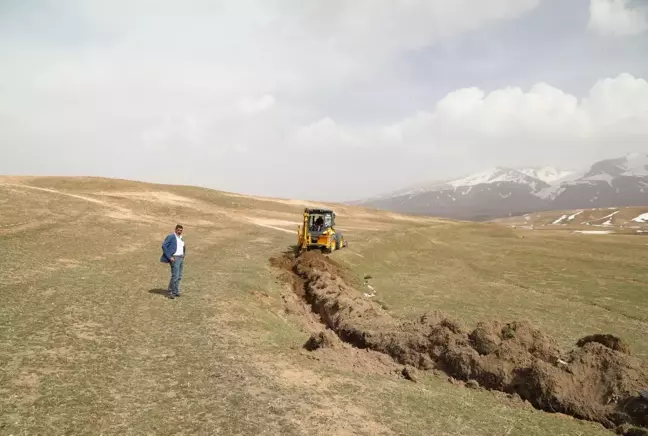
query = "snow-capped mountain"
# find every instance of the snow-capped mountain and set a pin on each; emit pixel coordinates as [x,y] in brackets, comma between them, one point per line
[494,175]
[499,191]
[546,174]
[612,182]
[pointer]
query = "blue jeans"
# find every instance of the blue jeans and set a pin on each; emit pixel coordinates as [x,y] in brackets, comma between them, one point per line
[176,275]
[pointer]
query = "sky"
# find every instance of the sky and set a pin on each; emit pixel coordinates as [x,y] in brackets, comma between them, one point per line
[325,100]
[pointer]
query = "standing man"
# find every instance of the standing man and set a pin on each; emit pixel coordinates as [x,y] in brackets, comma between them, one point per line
[173,253]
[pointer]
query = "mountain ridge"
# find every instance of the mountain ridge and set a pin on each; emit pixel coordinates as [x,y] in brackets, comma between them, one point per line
[502,191]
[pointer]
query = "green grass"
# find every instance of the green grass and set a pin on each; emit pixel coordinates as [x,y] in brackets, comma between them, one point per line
[87,348]
[544,277]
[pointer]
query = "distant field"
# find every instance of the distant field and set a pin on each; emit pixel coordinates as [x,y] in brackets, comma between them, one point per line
[89,345]
[626,220]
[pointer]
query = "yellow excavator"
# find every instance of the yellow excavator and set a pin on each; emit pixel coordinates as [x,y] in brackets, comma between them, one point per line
[318,231]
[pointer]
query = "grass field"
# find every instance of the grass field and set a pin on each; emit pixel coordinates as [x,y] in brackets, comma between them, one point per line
[626,220]
[90,345]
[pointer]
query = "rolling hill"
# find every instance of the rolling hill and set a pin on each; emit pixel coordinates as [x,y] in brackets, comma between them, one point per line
[500,192]
[90,345]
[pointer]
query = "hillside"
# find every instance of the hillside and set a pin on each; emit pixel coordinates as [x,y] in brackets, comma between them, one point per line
[500,192]
[91,346]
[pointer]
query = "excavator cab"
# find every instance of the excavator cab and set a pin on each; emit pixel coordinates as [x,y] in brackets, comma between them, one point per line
[318,231]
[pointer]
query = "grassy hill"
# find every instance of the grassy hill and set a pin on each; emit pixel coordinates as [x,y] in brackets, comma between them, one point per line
[90,345]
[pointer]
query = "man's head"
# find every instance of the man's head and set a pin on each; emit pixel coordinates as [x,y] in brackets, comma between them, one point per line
[178,230]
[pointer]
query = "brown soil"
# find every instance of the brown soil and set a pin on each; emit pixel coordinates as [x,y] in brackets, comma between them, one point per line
[323,344]
[323,339]
[597,381]
[608,340]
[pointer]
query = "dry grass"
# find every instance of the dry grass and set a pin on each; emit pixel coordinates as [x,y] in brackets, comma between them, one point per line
[89,345]
[616,219]
[479,273]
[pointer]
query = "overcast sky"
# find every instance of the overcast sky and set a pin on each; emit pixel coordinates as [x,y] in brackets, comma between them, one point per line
[327,100]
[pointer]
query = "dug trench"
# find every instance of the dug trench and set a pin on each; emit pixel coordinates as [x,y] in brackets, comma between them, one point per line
[599,380]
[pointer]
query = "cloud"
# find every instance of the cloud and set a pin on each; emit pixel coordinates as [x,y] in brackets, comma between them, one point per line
[85,75]
[243,92]
[511,125]
[325,134]
[617,18]
[261,104]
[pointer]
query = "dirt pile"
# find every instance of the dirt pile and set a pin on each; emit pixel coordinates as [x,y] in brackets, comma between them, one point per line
[609,341]
[597,381]
[323,339]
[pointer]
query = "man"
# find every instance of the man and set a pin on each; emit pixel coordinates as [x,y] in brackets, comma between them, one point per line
[173,253]
[319,224]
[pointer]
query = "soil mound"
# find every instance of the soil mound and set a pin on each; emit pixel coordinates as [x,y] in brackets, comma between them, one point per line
[610,341]
[323,339]
[597,381]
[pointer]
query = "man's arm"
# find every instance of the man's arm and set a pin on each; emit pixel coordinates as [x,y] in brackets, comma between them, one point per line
[166,248]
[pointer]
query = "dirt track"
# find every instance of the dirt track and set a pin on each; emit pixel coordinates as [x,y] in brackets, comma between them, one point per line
[598,380]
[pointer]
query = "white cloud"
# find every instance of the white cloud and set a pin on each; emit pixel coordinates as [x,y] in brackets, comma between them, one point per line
[261,104]
[326,133]
[127,73]
[510,124]
[252,87]
[617,17]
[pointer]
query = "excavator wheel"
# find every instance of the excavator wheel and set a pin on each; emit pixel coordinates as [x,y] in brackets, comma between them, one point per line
[333,246]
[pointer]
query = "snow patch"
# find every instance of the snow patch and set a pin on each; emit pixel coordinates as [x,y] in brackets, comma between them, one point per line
[571,217]
[643,218]
[609,221]
[546,174]
[493,175]
[594,232]
[550,192]
[560,220]
[604,177]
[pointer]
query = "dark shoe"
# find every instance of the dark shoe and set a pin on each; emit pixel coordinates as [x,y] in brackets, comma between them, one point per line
[171,297]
